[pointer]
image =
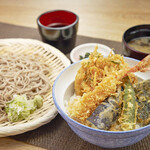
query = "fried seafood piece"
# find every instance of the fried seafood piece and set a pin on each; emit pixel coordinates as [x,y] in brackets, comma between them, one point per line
[142,90]
[94,69]
[142,66]
[107,112]
[85,105]
[127,119]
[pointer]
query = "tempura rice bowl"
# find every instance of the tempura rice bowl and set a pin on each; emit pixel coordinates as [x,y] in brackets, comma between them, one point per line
[63,89]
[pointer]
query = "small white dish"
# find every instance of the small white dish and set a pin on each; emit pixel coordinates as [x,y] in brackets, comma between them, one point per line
[81,50]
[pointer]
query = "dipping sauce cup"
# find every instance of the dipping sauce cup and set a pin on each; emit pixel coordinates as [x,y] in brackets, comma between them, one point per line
[59,29]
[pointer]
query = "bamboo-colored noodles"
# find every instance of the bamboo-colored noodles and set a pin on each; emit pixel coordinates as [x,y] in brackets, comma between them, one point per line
[21,74]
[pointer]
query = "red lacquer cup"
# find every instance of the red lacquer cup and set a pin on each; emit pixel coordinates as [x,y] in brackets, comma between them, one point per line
[59,29]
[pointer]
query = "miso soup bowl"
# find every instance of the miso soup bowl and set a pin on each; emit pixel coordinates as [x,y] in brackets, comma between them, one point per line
[63,89]
[132,33]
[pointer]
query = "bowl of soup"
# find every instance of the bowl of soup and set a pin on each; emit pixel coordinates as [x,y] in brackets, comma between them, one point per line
[136,41]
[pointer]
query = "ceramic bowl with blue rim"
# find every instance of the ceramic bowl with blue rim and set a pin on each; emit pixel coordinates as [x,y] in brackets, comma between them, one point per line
[63,89]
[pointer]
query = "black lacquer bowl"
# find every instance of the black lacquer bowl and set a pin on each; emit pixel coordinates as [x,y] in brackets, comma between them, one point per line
[132,33]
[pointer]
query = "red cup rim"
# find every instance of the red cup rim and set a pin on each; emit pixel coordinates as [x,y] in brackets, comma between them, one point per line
[57,28]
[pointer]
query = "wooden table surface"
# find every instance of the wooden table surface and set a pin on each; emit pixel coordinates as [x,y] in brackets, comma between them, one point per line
[106,19]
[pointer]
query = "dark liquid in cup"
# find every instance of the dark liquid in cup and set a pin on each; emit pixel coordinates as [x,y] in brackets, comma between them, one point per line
[57,25]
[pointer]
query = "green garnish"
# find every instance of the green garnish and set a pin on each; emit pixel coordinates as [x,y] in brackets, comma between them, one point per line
[39,101]
[86,56]
[19,108]
[115,62]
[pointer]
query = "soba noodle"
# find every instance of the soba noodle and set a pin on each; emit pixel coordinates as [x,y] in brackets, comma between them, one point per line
[21,74]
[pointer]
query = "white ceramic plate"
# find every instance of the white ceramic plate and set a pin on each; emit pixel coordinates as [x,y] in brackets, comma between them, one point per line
[81,50]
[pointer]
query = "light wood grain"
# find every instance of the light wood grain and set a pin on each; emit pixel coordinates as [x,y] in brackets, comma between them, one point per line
[106,19]
[10,144]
